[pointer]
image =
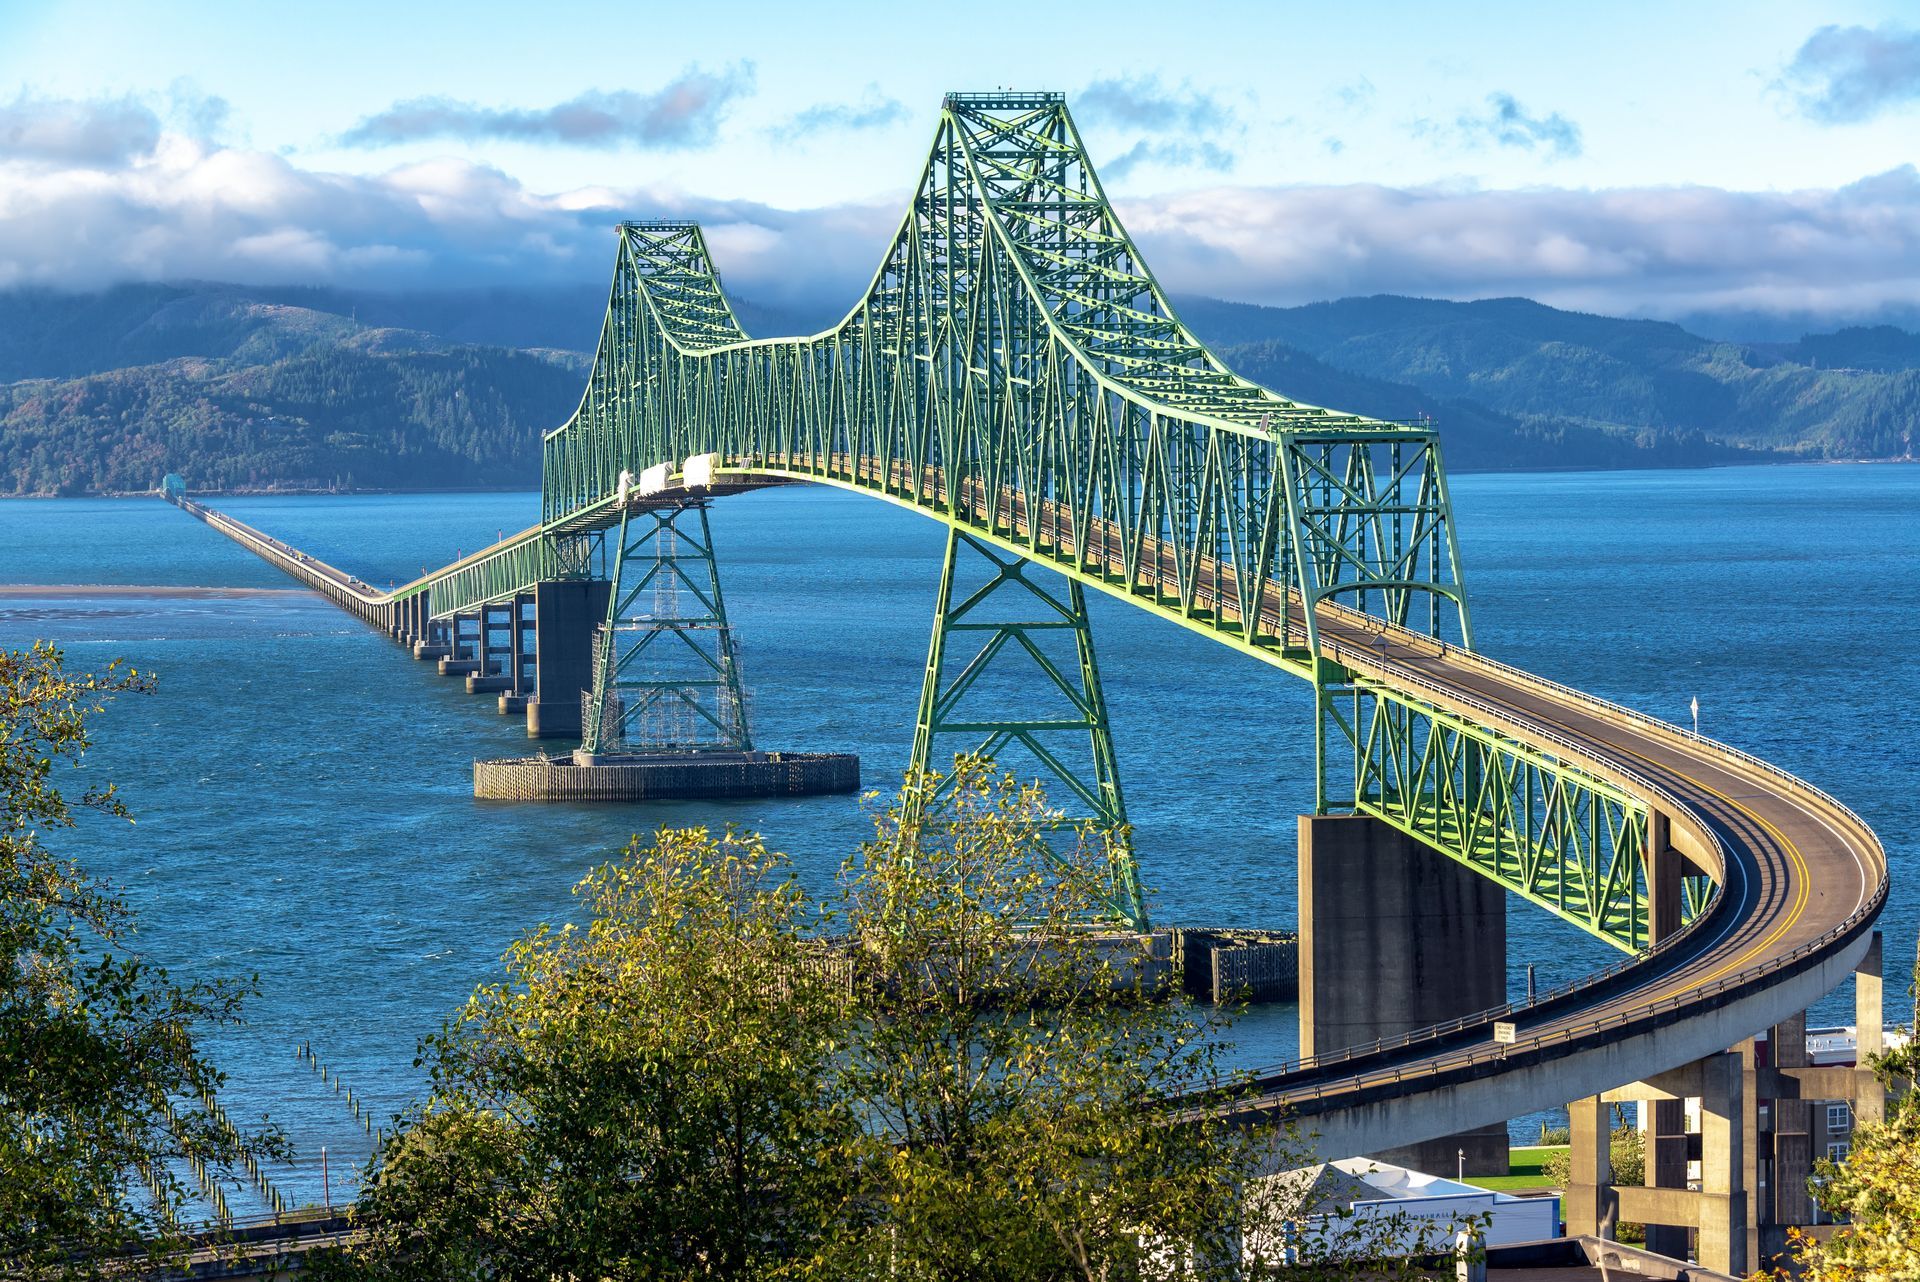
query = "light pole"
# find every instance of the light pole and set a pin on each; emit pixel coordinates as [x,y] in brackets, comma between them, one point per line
[1696,716]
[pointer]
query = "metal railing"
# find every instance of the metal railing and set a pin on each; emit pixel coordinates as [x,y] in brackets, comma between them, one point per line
[1486,1051]
[1642,720]
[1629,1014]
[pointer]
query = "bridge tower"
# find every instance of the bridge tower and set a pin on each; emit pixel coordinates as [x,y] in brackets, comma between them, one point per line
[1011,675]
[666,671]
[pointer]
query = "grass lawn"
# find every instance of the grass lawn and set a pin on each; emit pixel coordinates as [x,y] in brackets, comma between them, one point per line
[1524,1170]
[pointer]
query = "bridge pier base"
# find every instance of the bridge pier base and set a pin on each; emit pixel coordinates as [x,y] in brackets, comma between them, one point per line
[1396,937]
[565,614]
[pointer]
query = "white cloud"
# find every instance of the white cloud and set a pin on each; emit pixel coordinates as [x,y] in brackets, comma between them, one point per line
[187,208]
[104,131]
[1634,251]
[1846,74]
[685,112]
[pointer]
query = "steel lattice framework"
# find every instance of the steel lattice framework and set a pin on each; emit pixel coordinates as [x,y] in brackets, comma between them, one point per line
[1015,371]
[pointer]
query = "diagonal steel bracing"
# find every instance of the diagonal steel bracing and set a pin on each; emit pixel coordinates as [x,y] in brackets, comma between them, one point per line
[666,674]
[996,618]
[1015,371]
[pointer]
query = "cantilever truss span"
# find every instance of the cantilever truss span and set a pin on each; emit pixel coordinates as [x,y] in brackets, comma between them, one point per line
[1015,371]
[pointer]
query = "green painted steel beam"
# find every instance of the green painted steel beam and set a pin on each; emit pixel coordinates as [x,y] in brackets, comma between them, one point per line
[1015,371]
[995,622]
[666,674]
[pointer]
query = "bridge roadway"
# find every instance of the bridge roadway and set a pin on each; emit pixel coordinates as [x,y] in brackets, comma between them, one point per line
[1800,879]
[1800,876]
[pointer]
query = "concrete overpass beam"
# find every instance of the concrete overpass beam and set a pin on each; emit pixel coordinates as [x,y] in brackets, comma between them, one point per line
[1395,937]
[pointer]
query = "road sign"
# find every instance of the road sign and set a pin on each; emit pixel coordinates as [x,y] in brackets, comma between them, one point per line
[1503,1033]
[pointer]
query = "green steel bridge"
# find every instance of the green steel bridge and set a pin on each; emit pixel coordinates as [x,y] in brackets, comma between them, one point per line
[1015,372]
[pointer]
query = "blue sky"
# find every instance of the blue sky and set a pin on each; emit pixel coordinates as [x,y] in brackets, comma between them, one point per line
[1653,159]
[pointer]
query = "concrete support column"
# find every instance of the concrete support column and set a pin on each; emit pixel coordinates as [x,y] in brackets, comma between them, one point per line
[1666,891]
[1789,1201]
[565,615]
[498,621]
[1754,1146]
[1666,1157]
[1395,937]
[1870,1039]
[1590,1206]
[1722,1243]
[517,644]
[1665,1132]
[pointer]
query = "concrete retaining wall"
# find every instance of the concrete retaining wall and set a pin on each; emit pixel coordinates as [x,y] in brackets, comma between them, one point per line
[769,774]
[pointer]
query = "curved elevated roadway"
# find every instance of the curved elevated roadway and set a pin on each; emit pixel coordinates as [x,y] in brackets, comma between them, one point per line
[1801,879]
[1016,373]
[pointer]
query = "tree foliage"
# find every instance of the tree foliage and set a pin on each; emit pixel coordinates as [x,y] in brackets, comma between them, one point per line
[1008,1050]
[1875,1189]
[647,1096]
[103,1095]
[1626,1153]
[335,415]
[965,1079]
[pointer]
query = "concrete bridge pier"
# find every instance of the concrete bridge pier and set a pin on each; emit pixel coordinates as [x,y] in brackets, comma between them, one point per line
[520,678]
[565,614]
[430,634]
[406,620]
[463,646]
[1395,937]
[495,649]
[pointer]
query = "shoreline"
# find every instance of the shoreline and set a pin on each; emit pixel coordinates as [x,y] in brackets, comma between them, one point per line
[294,492]
[20,591]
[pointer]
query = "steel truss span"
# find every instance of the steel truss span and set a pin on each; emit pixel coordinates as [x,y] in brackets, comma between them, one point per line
[1015,372]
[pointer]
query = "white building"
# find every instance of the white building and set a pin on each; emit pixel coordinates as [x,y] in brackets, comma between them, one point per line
[1390,1210]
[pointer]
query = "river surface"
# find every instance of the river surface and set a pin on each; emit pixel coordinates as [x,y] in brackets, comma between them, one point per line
[304,791]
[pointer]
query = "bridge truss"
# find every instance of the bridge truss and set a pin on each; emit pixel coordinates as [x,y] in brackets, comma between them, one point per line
[1015,371]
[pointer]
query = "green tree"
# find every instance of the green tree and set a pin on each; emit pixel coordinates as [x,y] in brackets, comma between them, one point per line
[966,1082]
[1007,1047]
[1014,1060]
[1626,1155]
[1876,1188]
[103,1094]
[644,1097]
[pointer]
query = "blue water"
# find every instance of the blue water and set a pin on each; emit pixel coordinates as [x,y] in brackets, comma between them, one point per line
[304,790]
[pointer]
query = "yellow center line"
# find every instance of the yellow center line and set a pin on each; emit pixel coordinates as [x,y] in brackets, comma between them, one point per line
[1804,881]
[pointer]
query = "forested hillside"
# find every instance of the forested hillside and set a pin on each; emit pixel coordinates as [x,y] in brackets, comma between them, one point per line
[248,387]
[337,415]
[1850,394]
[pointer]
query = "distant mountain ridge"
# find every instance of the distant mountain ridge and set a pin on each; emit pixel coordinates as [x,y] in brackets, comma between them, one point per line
[293,387]
[1850,394]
